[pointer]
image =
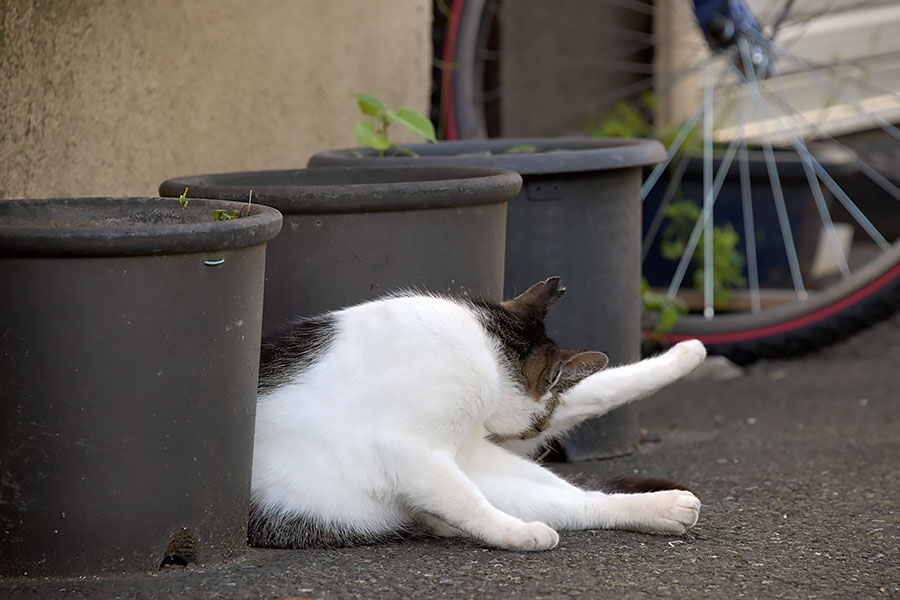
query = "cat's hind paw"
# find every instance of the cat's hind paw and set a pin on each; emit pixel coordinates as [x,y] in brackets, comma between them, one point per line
[532,536]
[675,512]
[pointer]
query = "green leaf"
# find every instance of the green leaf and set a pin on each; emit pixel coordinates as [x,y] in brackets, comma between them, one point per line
[222,215]
[668,315]
[366,136]
[415,123]
[369,105]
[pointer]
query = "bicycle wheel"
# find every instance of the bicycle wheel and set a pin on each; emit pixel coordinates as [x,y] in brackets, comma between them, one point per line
[772,141]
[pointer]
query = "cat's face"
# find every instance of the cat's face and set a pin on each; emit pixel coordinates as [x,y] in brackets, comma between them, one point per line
[544,369]
[550,371]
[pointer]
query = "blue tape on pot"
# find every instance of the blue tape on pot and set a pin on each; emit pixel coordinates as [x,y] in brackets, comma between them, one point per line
[213,263]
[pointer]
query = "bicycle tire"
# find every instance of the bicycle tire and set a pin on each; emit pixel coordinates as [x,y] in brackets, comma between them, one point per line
[455,39]
[794,329]
[836,313]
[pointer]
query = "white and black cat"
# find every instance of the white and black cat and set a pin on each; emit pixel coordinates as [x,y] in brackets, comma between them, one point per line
[418,411]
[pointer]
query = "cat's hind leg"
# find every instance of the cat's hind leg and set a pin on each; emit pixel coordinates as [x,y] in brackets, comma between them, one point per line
[531,492]
[525,489]
[665,512]
[431,483]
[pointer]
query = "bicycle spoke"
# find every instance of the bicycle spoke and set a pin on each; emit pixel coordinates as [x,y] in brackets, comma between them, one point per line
[816,189]
[747,212]
[774,180]
[784,222]
[708,265]
[578,62]
[693,240]
[812,70]
[848,204]
[667,198]
[870,172]
[827,179]
[586,107]
[682,134]
[631,89]
[593,28]
[671,151]
[782,15]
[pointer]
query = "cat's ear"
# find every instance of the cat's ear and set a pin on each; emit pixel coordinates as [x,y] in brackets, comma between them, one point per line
[536,299]
[573,366]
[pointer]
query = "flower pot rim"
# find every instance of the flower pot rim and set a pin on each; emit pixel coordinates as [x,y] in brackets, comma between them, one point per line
[364,188]
[564,154]
[128,226]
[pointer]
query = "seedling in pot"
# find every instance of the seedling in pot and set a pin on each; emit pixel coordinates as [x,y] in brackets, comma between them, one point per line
[224,215]
[182,199]
[218,214]
[377,138]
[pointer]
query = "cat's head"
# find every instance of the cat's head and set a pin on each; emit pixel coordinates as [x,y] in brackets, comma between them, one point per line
[544,369]
[546,366]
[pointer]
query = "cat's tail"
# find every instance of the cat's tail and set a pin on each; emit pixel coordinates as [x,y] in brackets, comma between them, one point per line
[640,485]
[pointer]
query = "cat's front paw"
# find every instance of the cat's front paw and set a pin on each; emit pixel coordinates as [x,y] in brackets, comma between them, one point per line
[674,512]
[529,537]
[687,355]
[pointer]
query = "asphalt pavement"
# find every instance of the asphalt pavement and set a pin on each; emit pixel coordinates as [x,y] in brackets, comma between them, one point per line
[797,464]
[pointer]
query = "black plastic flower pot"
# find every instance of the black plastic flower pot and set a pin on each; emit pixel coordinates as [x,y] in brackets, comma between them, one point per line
[128,365]
[578,216]
[353,234]
[800,208]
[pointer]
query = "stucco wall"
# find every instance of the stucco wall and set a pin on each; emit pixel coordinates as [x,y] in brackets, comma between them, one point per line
[107,97]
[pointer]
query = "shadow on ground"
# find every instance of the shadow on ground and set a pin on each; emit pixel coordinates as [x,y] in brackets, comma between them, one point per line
[796,463]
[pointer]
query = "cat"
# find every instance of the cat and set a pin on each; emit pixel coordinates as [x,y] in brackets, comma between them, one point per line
[417,412]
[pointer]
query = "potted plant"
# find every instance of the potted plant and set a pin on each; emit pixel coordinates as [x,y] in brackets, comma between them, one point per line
[800,210]
[128,367]
[578,215]
[352,234]
[679,207]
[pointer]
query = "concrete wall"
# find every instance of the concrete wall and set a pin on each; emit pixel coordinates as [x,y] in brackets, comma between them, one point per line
[111,97]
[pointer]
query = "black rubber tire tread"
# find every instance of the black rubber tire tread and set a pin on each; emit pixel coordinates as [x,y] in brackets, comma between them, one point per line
[461,67]
[438,32]
[803,340]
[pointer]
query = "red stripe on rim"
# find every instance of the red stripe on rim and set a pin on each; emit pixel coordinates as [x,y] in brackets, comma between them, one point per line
[740,336]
